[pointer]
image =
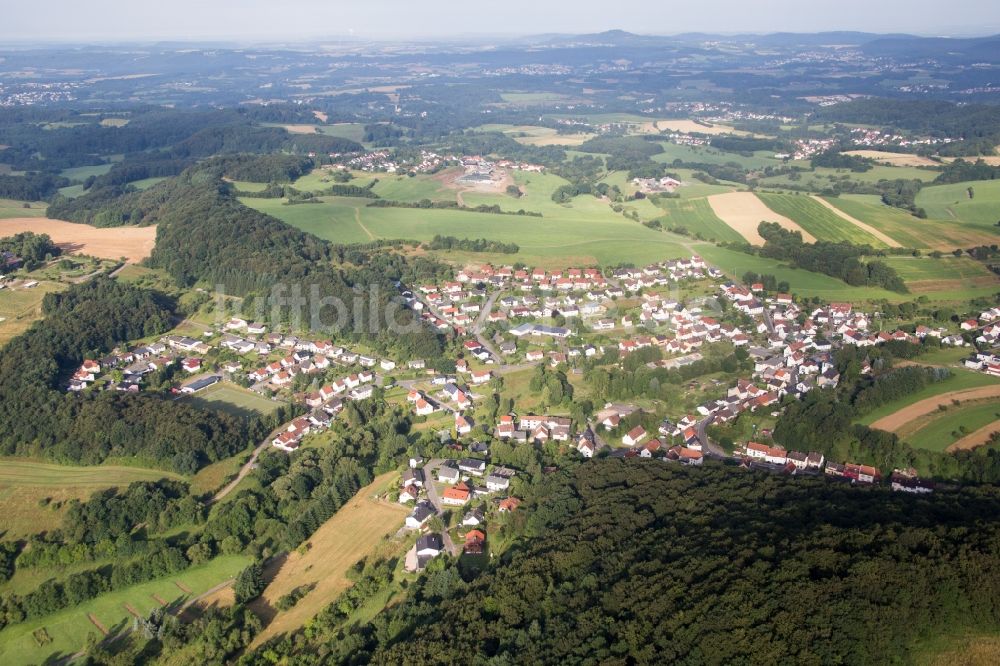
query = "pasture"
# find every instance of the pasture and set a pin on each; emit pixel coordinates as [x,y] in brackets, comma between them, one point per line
[894,159]
[953,202]
[910,231]
[697,216]
[84,172]
[9,208]
[819,221]
[942,429]
[926,275]
[709,155]
[232,399]
[584,231]
[68,629]
[20,308]
[31,491]
[962,385]
[354,532]
[534,135]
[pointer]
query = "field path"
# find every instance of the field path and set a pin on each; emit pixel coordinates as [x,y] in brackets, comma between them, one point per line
[133,243]
[897,420]
[351,534]
[357,218]
[97,623]
[744,212]
[856,222]
[975,439]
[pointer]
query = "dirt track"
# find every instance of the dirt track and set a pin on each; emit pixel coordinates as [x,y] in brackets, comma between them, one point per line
[856,222]
[744,212]
[975,439]
[898,419]
[133,243]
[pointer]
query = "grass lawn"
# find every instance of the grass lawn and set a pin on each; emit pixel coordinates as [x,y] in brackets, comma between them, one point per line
[698,217]
[953,202]
[821,222]
[232,399]
[944,428]
[25,485]
[357,530]
[68,629]
[212,477]
[962,379]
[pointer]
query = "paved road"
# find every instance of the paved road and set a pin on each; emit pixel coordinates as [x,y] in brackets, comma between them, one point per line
[435,499]
[708,446]
[480,323]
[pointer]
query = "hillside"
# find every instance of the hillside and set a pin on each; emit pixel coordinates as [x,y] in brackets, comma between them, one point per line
[733,566]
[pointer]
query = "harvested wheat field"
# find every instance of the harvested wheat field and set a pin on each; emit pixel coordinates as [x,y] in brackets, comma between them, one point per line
[897,420]
[300,129]
[894,159]
[744,212]
[688,126]
[975,439]
[133,243]
[856,222]
[354,532]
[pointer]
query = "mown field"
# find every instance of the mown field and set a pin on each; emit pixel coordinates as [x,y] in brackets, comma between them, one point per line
[10,208]
[68,629]
[232,399]
[953,202]
[821,222]
[949,426]
[31,491]
[19,308]
[926,275]
[698,218]
[960,380]
[910,231]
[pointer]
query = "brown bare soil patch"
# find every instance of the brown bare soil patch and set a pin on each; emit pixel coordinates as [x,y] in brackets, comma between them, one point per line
[300,129]
[856,222]
[97,623]
[320,116]
[894,159]
[900,419]
[182,587]
[744,212]
[975,439]
[133,243]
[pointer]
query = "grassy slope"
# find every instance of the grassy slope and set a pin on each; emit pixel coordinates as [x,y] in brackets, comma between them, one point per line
[69,628]
[940,432]
[821,222]
[11,208]
[699,218]
[953,202]
[962,379]
[23,483]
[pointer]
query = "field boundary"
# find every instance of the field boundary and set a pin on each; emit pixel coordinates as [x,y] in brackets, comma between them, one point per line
[885,238]
[900,418]
[744,211]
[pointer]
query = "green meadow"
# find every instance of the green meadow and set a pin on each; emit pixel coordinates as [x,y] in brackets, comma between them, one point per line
[961,379]
[821,222]
[953,424]
[698,217]
[233,399]
[953,202]
[10,208]
[67,630]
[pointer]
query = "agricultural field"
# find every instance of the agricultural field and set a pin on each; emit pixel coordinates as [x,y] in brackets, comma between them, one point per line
[132,243]
[354,532]
[709,155]
[962,385]
[67,630]
[19,308]
[910,231]
[599,234]
[804,283]
[533,135]
[744,211]
[533,98]
[697,216]
[9,208]
[85,172]
[33,494]
[939,430]
[894,159]
[926,275]
[952,202]
[232,399]
[819,221]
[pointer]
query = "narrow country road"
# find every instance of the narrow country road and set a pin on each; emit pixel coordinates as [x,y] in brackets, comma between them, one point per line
[247,466]
[435,499]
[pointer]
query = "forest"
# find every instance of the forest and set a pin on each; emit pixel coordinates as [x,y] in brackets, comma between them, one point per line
[736,567]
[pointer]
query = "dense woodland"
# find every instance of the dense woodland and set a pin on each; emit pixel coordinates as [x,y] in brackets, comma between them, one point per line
[734,567]
[41,419]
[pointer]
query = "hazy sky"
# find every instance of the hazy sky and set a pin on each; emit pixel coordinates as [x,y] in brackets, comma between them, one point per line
[278,20]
